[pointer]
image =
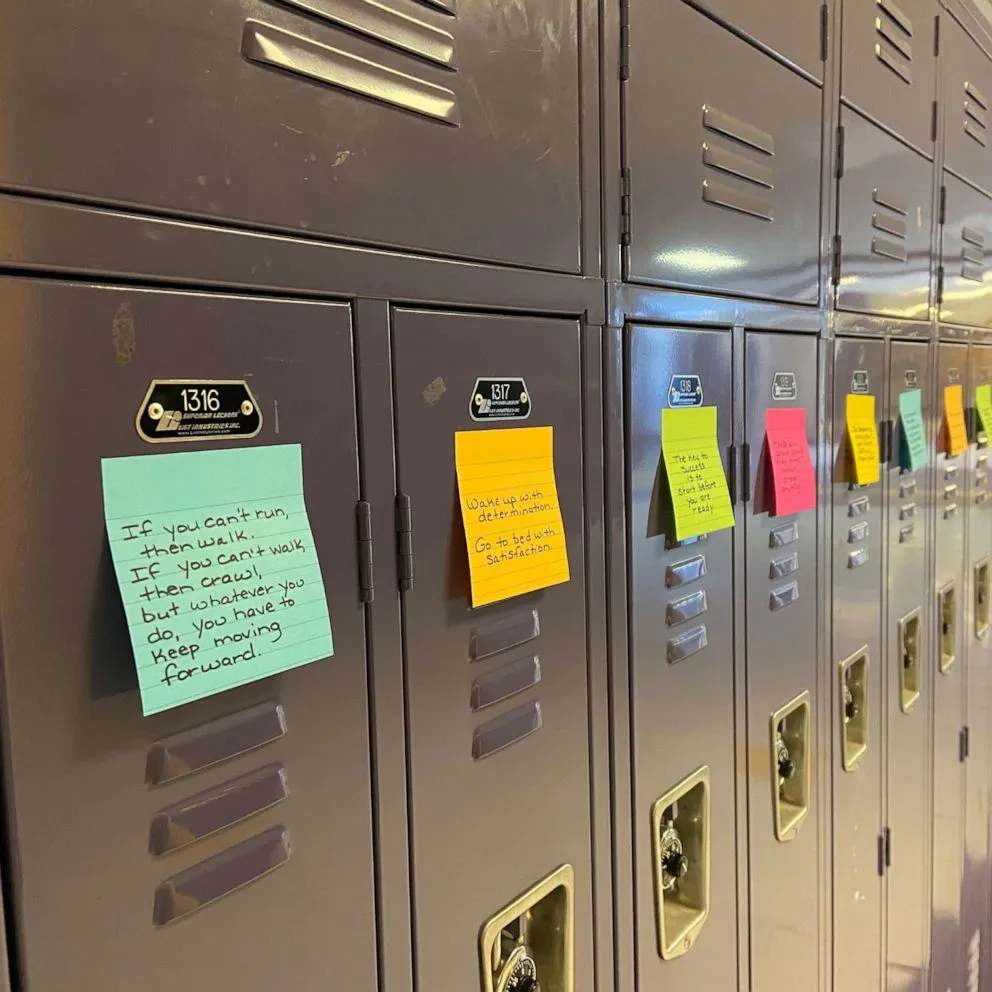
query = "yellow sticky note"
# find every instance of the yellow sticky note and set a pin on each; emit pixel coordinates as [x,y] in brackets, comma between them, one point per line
[983,403]
[957,432]
[862,434]
[700,497]
[509,500]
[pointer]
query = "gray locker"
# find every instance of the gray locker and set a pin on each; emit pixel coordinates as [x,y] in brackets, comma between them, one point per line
[949,683]
[967,90]
[723,185]
[781,623]
[122,825]
[497,696]
[884,223]
[682,648]
[856,682]
[963,282]
[888,67]
[439,127]
[909,675]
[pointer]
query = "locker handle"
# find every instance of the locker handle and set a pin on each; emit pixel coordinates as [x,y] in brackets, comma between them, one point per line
[732,474]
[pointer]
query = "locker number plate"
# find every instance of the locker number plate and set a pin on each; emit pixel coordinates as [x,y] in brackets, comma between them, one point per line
[499,399]
[175,410]
[685,390]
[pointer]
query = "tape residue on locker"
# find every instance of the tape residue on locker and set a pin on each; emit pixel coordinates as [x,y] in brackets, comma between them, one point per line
[793,478]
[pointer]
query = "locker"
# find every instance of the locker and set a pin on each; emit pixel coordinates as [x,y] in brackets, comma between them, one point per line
[682,648]
[97,897]
[428,127]
[723,187]
[909,676]
[888,68]
[781,624]
[964,285]
[949,684]
[856,769]
[967,89]
[884,221]
[499,760]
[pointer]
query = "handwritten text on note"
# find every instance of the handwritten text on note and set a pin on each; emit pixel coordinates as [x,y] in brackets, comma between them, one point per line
[862,435]
[957,431]
[793,478]
[912,434]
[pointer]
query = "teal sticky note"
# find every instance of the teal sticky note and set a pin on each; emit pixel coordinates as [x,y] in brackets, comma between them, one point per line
[912,435]
[217,568]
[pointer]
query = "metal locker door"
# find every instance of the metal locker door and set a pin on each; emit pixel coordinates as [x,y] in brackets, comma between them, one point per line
[856,770]
[889,65]
[115,816]
[497,696]
[967,90]
[949,684]
[908,676]
[682,667]
[427,125]
[966,218]
[724,188]
[782,615]
[975,906]
[884,218]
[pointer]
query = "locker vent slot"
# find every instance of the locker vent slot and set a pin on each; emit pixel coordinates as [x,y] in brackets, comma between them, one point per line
[447,6]
[780,537]
[194,750]
[890,225]
[506,729]
[503,634]
[906,533]
[857,558]
[681,573]
[744,203]
[907,511]
[505,681]
[972,255]
[738,165]
[741,163]
[894,202]
[893,41]
[220,875]
[686,645]
[858,506]
[779,568]
[786,596]
[975,119]
[907,487]
[275,48]
[888,249]
[687,608]
[950,471]
[858,532]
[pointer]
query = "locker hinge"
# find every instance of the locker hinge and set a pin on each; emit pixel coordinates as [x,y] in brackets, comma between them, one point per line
[933,121]
[824,31]
[964,744]
[364,516]
[404,543]
[745,472]
[732,474]
[940,284]
[625,39]
[840,151]
[881,854]
[625,206]
[885,437]
[942,209]
[835,263]
[936,35]
[888,847]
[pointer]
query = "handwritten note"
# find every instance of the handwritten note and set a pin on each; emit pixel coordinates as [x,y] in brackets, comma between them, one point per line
[696,481]
[793,478]
[957,432]
[983,404]
[509,501]
[217,569]
[862,435]
[913,434]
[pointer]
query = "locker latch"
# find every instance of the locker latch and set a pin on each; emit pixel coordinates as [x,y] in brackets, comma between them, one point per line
[790,751]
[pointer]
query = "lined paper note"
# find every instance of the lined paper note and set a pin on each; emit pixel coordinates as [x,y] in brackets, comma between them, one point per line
[217,569]
[983,404]
[862,434]
[956,431]
[696,480]
[793,478]
[913,435]
[509,503]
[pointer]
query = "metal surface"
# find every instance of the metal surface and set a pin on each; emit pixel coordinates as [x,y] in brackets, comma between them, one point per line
[966,236]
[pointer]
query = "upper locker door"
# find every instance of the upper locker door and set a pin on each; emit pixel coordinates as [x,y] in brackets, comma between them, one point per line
[724,185]
[856,676]
[422,124]
[908,673]
[966,228]
[782,616]
[682,649]
[125,825]
[497,695]
[889,65]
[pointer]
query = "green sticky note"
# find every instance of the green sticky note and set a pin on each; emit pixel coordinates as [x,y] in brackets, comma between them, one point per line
[983,403]
[913,435]
[217,568]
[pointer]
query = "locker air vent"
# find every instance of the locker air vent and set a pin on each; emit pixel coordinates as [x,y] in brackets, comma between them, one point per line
[972,254]
[888,216]
[894,39]
[744,153]
[975,118]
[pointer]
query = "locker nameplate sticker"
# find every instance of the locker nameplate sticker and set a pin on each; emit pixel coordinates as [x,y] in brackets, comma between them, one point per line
[176,410]
[956,436]
[983,404]
[785,387]
[911,379]
[697,484]
[499,399]
[685,391]
[217,568]
[912,433]
[508,494]
[793,477]
[862,436]
[860,383]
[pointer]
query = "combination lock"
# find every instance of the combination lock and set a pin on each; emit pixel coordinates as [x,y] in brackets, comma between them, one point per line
[674,863]
[518,972]
[851,708]
[786,766]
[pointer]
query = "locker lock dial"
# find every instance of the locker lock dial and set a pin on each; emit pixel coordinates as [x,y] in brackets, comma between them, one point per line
[516,970]
[789,750]
[786,766]
[851,708]
[674,863]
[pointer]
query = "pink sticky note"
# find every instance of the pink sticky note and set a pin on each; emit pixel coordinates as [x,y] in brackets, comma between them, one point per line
[793,478]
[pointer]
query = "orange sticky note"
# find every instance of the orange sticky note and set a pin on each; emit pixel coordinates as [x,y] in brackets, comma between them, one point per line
[862,436]
[509,503]
[793,478]
[957,432]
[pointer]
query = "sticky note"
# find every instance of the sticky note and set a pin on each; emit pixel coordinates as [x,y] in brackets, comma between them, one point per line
[862,435]
[793,478]
[509,504]
[217,569]
[957,432]
[912,435]
[983,404]
[696,481]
